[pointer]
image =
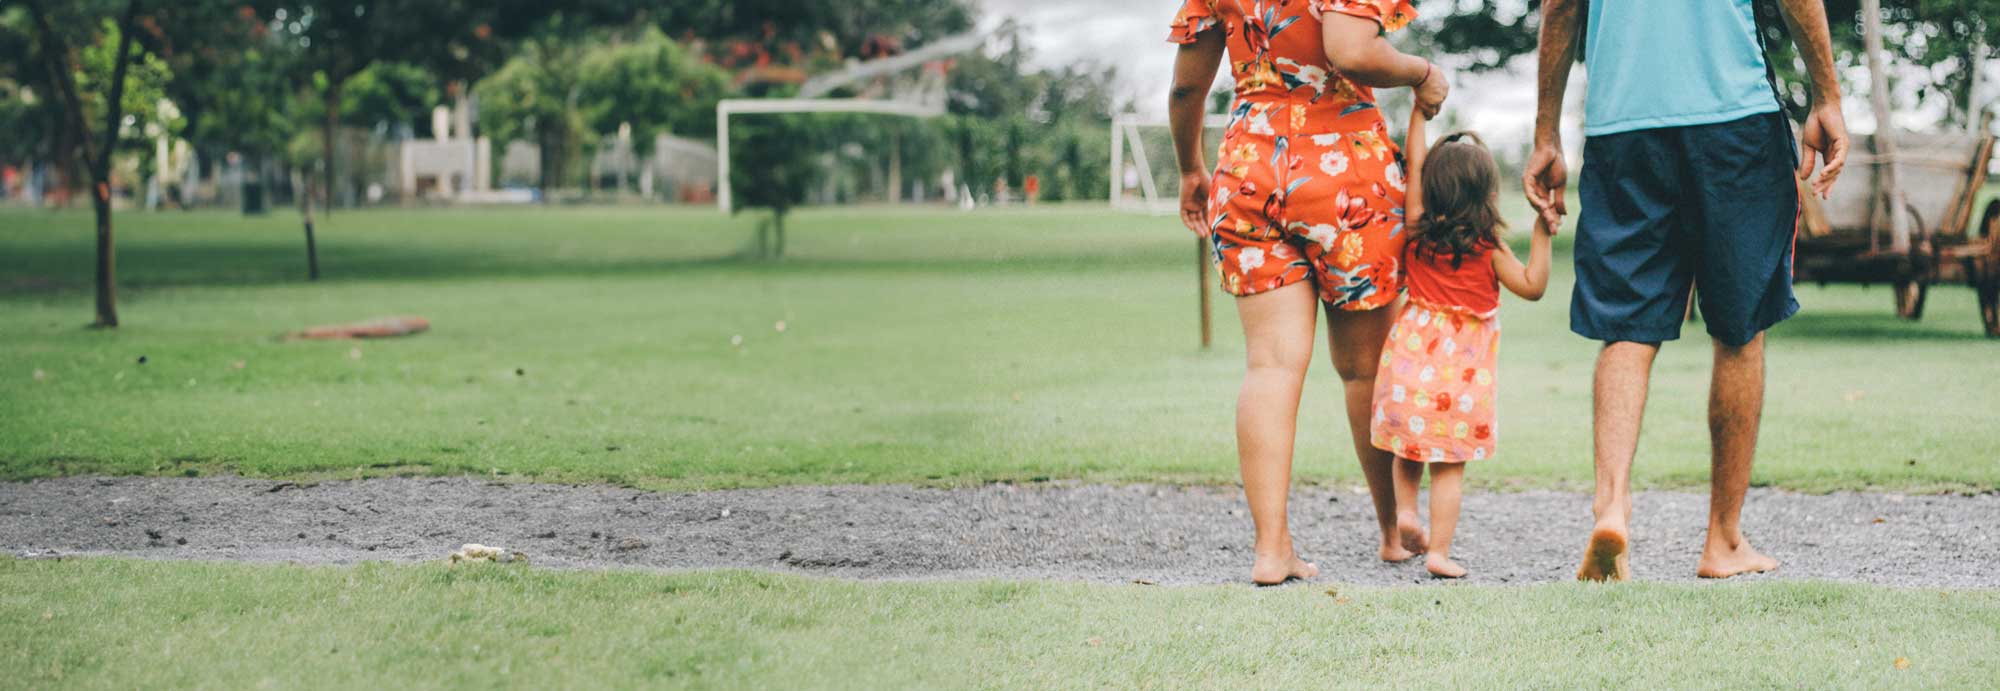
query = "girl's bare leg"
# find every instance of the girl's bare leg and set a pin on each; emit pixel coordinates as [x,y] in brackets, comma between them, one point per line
[1410,526]
[1445,479]
[1356,339]
[1278,335]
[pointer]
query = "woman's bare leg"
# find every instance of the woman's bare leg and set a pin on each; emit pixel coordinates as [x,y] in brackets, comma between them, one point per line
[1445,479]
[1278,338]
[1356,340]
[1410,526]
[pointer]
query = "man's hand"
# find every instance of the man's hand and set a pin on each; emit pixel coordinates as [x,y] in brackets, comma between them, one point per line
[1545,180]
[1825,134]
[1431,93]
[1194,202]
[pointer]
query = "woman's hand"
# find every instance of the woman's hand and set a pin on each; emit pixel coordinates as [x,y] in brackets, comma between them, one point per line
[1194,202]
[1431,92]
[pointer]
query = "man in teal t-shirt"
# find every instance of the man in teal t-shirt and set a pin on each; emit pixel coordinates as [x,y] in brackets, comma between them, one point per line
[1687,181]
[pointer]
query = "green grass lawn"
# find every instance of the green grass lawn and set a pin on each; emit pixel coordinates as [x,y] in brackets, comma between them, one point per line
[131,624]
[919,346]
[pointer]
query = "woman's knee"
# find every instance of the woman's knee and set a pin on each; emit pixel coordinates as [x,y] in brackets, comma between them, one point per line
[1355,366]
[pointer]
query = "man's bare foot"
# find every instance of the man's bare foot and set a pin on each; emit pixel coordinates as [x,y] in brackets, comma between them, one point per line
[1275,570]
[1719,560]
[1443,567]
[1607,558]
[1411,532]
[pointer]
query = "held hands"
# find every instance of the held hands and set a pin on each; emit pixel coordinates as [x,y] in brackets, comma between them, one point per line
[1824,133]
[1431,92]
[1544,180]
[1194,203]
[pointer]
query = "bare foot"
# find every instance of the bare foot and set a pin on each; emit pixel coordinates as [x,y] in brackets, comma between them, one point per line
[1607,558]
[1396,554]
[1443,567]
[1719,560]
[1411,532]
[1276,570]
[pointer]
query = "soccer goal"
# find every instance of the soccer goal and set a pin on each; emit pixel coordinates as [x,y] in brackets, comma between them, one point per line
[1144,176]
[910,84]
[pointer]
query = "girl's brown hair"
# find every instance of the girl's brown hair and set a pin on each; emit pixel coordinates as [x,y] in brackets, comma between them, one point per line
[1461,212]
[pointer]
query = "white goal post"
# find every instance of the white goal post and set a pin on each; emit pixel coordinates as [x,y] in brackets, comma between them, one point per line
[1127,142]
[739,106]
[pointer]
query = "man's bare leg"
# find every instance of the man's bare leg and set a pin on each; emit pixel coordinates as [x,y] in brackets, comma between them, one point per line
[1356,339]
[1410,526]
[1278,335]
[1735,409]
[1624,371]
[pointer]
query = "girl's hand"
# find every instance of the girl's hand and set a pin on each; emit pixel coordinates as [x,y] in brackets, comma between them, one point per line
[1432,91]
[1194,202]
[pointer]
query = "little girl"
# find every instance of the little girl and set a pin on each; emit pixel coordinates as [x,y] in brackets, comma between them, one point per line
[1434,392]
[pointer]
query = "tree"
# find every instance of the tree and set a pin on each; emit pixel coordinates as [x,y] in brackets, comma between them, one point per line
[533,98]
[774,169]
[653,85]
[65,33]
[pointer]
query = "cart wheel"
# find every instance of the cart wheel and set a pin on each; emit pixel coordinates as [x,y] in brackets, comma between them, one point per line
[1910,299]
[1986,270]
[1989,305]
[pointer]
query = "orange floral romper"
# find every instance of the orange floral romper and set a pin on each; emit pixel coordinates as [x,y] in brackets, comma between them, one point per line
[1308,184]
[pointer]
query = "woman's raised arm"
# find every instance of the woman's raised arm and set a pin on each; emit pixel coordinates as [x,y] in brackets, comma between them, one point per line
[1356,48]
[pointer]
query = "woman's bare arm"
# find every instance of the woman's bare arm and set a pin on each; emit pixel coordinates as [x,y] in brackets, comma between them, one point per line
[1356,48]
[1194,71]
[1532,280]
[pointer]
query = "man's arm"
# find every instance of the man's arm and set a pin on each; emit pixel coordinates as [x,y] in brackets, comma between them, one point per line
[1545,179]
[1194,71]
[1825,129]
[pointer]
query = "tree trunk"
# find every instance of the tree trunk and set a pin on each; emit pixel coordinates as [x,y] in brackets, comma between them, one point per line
[107,257]
[331,129]
[1888,190]
[778,229]
[312,246]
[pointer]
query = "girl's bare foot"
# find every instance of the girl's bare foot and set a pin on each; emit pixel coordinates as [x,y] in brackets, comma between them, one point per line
[1606,559]
[1277,569]
[1721,560]
[1411,532]
[1396,554]
[1443,567]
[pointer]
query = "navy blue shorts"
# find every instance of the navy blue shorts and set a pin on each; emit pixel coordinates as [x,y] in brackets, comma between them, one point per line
[1711,207]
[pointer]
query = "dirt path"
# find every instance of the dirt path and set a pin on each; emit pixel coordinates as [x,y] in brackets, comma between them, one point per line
[1059,531]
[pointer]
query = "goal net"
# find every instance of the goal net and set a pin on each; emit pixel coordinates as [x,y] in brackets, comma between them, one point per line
[910,84]
[1144,175]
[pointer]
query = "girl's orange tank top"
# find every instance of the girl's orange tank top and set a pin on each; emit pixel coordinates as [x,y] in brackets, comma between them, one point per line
[1472,285]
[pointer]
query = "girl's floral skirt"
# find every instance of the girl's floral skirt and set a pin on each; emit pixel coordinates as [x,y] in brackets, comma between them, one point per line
[1435,389]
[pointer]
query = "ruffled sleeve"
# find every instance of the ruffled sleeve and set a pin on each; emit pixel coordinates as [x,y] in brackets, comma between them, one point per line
[1393,15]
[1195,17]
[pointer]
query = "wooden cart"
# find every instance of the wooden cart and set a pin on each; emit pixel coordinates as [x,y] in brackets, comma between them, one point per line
[1848,238]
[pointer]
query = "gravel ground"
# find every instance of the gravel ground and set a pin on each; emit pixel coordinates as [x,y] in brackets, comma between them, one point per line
[1160,534]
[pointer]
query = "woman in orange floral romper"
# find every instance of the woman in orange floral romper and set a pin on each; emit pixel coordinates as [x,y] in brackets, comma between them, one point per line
[1305,206]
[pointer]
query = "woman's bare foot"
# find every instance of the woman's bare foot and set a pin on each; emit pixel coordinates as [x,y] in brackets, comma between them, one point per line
[1608,557]
[1721,560]
[1396,554]
[1411,532]
[1443,567]
[1277,569]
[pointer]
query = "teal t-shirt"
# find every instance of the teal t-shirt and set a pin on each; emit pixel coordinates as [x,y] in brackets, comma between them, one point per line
[1672,63]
